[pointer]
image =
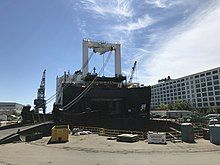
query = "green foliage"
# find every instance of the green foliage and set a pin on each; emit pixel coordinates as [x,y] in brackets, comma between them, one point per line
[180,105]
[212,110]
[163,107]
[177,105]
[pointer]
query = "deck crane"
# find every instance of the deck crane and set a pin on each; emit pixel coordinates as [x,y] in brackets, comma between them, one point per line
[40,102]
[132,72]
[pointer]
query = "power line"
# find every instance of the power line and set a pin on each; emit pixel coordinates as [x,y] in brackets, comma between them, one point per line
[76,99]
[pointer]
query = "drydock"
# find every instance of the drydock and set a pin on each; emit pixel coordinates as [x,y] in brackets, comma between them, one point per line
[88,99]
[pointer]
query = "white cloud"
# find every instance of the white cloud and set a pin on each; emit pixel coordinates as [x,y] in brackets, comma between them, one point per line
[164,3]
[139,24]
[187,52]
[175,50]
[116,7]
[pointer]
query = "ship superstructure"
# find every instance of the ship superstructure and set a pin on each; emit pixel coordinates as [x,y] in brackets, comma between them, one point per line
[90,99]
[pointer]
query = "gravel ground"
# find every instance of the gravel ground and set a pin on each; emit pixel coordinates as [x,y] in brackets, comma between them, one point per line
[97,150]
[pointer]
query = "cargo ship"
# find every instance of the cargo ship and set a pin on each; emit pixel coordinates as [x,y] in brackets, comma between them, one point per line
[88,99]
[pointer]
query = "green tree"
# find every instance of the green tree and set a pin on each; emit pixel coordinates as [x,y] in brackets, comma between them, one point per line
[163,107]
[180,105]
[212,110]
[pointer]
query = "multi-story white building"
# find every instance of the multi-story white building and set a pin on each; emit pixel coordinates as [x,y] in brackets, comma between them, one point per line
[202,90]
[9,108]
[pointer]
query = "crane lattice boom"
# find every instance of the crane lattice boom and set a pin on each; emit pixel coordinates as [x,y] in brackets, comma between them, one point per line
[132,72]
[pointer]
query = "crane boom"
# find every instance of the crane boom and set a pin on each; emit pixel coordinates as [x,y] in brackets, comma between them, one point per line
[40,101]
[132,72]
[41,90]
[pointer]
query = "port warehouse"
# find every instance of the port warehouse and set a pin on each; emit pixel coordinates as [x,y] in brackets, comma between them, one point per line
[202,90]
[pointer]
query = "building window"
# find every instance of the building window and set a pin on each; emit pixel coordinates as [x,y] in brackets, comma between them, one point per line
[204,99]
[202,79]
[197,85]
[202,75]
[214,71]
[208,78]
[183,92]
[217,98]
[216,87]
[212,104]
[203,89]
[215,77]
[199,100]
[198,90]
[218,103]
[210,93]
[197,81]
[217,93]
[208,73]
[198,95]
[211,98]
[209,83]
[205,104]
[216,82]
[199,104]
[210,88]
[196,76]
[204,94]
[203,85]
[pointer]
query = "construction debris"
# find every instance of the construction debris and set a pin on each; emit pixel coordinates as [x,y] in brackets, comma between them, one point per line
[127,138]
[78,132]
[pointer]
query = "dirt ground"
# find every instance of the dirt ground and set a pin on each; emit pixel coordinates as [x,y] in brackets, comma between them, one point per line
[97,150]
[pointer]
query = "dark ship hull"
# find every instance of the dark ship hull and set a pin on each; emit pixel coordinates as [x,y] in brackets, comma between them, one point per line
[107,107]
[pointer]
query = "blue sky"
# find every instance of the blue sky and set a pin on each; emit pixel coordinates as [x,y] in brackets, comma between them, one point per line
[166,37]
